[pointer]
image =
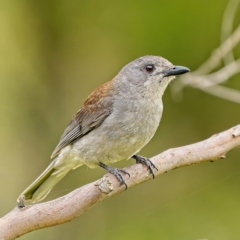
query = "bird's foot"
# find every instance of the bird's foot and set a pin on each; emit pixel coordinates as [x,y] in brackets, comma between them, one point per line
[147,162]
[117,172]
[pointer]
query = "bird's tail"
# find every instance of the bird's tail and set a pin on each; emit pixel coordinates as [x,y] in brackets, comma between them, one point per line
[40,188]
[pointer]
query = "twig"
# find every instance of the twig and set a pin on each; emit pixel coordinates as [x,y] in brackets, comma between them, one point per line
[223,92]
[64,209]
[219,53]
[225,73]
[208,82]
[217,77]
[227,26]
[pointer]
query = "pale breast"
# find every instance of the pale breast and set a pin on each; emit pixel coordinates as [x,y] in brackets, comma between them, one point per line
[126,131]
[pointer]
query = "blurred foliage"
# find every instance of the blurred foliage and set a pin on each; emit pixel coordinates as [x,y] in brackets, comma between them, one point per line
[54,53]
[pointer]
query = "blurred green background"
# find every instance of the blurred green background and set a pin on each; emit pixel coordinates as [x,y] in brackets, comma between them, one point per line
[53,54]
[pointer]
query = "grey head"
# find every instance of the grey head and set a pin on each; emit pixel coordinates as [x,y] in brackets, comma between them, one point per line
[150,72]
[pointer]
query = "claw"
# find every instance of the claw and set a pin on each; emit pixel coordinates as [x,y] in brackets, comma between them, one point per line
[147,162]
[116,172]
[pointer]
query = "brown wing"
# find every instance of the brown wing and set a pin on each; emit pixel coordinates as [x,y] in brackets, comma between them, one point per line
[95,110]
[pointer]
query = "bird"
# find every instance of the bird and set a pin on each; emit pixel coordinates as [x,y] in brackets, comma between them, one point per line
[115,122]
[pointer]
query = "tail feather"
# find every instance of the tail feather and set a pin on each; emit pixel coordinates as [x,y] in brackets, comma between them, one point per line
[43,190]
[40,188]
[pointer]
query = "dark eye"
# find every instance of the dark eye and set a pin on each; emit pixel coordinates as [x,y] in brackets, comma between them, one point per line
[149,68]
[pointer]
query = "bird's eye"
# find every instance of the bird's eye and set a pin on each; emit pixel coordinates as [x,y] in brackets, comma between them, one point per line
[149,68]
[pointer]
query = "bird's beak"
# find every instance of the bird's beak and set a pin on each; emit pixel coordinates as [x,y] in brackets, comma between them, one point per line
[176,70]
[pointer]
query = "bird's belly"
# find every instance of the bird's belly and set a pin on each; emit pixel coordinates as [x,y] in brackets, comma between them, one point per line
[115,142]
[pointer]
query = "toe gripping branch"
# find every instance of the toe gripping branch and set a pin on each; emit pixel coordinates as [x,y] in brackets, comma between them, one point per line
[117,172]
[147,162]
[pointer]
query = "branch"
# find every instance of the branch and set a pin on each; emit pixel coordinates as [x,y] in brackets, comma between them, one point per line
[201,77]
[66,208]
[220,52]
[209,83]
[227,26]
[217,77]
[229,94]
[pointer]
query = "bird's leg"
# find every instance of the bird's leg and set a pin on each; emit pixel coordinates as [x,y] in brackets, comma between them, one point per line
[116,172]
[147,162]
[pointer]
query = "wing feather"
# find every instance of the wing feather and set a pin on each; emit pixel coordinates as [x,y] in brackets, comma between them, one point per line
[95,110]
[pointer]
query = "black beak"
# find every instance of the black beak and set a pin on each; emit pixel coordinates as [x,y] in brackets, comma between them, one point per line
[176,70]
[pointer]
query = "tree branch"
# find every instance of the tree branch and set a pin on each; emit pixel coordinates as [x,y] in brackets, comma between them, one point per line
[66,208]
[227,26]
[209,83]
[202,78]
[219,53]
[217,77]
[223,92]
